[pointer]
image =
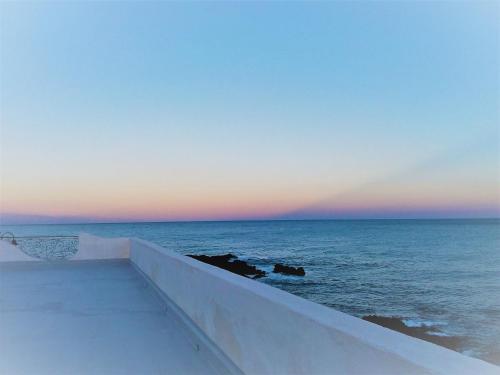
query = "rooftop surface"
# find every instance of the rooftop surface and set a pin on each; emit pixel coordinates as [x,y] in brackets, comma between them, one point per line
[89,317]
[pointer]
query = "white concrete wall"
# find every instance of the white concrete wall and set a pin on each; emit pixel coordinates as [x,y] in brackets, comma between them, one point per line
[11,253]
[92,247]
[264,330]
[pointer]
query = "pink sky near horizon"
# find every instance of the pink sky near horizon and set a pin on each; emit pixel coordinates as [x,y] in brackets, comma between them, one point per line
[384,200]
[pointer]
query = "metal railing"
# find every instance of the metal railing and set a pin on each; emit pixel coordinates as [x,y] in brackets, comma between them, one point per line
[44,247]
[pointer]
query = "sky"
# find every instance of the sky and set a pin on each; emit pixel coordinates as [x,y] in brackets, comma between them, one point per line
[152,111]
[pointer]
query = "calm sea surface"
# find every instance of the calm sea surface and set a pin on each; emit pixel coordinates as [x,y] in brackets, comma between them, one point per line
[440,272]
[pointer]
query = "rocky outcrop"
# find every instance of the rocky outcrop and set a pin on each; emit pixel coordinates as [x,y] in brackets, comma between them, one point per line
[427,333]
[288,270]
[230,263]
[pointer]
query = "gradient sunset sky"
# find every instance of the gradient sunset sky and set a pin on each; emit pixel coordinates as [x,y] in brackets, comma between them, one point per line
[131,111]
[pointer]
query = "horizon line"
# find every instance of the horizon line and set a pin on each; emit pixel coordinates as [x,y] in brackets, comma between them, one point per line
[259,220]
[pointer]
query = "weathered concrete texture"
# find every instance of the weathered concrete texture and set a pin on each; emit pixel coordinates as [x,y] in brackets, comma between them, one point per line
[99,317]
[93,247]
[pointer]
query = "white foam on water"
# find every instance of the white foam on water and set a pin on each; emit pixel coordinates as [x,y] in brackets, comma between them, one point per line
[279,276]
[440,334]
[415,323]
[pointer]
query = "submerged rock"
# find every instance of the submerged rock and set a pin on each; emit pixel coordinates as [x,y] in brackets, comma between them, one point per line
[288,270]
[427,333]
[230,263]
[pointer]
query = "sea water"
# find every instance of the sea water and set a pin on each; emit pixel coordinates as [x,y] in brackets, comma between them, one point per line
[442,273]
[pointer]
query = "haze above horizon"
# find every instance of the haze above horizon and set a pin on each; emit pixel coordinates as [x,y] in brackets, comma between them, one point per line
[227,111]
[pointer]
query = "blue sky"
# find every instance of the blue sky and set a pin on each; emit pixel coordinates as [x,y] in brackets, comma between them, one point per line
[185,111]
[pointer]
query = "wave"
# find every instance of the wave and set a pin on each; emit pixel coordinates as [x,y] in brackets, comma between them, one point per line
[421,329]
[415,322]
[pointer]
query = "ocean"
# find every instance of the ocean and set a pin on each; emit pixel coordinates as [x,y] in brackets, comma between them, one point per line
[438,273]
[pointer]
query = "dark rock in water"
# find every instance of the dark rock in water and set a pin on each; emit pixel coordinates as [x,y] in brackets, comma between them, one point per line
[214,259]
[427,333]
[230,263]
[287,270]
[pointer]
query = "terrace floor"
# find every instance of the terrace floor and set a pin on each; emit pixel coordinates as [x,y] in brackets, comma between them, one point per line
[98,317]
